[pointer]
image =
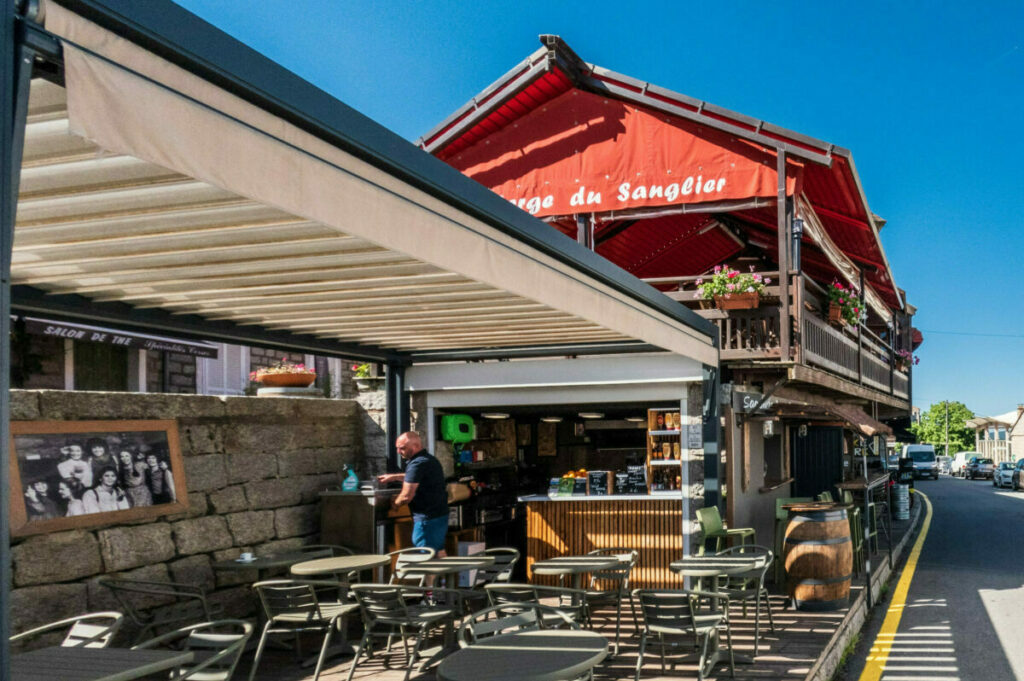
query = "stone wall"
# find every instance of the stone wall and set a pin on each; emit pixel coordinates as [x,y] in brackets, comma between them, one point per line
[254,468]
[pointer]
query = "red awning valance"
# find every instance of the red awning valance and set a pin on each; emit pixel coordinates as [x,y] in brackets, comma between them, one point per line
[583,153]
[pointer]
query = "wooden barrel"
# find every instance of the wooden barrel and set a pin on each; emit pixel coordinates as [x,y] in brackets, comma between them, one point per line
[819,558]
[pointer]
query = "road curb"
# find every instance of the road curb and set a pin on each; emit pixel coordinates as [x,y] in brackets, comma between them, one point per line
[828,661]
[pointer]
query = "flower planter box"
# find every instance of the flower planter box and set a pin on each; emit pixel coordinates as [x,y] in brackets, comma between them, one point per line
[287,380]
[835,315]
[738,301]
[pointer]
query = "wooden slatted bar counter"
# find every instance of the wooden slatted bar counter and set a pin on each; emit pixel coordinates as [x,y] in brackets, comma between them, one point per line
[651,524]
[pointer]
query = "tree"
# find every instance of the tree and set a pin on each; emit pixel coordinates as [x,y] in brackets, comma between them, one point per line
[932,427]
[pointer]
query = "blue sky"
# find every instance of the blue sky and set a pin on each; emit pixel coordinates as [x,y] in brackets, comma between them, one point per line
[927,96]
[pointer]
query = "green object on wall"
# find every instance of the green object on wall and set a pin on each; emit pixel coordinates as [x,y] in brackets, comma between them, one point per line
[457,428]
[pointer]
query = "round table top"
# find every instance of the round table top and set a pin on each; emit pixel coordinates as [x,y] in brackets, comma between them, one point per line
[570,565]
[448,564]
[360,561]
[537,655]
[276,560]
[713,566]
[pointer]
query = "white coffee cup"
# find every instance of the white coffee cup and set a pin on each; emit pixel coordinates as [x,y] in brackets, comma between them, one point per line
[247,557]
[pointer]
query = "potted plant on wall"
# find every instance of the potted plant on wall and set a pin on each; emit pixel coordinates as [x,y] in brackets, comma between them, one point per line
[731,289]
[905,359]
[364,381]
[284,374]
[844,307]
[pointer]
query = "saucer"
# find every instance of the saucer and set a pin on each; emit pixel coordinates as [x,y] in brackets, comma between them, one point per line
[243,560]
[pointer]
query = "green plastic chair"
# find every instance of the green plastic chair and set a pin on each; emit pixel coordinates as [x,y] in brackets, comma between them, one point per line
[713,528]
[781,520]
[825,496]
[857,537]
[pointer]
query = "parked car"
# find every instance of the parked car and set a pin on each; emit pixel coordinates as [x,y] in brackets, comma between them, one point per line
[1017,479]
[959,465]
[925,463]
[945,464]
[1003,476]
[980,467]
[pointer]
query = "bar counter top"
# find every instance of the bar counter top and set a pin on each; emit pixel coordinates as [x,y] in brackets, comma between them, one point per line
[602,497]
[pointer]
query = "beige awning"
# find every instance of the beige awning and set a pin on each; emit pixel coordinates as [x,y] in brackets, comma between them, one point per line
[147,185]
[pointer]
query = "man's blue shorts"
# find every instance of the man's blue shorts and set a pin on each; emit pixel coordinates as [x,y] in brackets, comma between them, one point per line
[430,532]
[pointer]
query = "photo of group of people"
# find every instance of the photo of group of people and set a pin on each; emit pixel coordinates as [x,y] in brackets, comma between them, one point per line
[70,474]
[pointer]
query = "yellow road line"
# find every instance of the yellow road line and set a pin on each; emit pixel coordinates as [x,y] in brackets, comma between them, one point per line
[879,653]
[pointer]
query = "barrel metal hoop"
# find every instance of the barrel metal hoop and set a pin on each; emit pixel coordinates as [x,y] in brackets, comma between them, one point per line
[821,606]
[818,542]
[823,582]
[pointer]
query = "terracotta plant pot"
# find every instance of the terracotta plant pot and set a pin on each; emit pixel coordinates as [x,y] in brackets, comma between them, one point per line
[287,380]
[835,314]
[747,300]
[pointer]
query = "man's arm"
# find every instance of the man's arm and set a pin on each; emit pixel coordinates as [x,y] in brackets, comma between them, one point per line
[390,477]
[406,495]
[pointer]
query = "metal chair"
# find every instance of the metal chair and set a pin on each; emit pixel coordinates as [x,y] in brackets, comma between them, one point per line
[617,581]
[713,527]
[405,562]
[573,602]
[387,612]
[480,624]
[188,603]
[825,496]
[92,630]
[677,613]
[293,606]
[219,643]
[747,586]
[500,571]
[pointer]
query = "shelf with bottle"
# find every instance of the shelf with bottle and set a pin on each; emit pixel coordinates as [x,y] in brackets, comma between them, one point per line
[665,462]
[665,481]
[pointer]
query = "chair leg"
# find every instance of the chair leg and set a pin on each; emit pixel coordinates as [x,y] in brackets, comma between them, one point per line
[323,651]
[640,655]
[259,651]
[757,623]
[728,640]
[703,657]
[415,652]
[359,651]
[768,607]
[661,643]
[618,624]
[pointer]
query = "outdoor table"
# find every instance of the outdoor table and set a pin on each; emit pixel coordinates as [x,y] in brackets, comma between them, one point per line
[575,566]
[262,564]
[450,565]
[93,664]
[336,564]
[535,655]
[715,567]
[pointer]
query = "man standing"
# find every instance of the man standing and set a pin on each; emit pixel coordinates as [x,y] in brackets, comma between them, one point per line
[424,490]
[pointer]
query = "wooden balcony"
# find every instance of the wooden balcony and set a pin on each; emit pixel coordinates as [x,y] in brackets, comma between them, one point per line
[855,354]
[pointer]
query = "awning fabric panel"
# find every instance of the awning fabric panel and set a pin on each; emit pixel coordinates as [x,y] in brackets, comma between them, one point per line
[324,212]
[581,152]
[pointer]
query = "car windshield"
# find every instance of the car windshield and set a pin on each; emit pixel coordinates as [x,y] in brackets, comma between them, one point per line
[922,456]
[1005,466]
[984,461]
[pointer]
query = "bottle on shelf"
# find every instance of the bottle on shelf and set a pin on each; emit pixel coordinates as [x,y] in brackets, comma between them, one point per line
[661,421]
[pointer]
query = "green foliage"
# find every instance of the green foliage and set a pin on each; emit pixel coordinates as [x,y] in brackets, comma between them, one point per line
[932,427]
[725,280]
[848,301]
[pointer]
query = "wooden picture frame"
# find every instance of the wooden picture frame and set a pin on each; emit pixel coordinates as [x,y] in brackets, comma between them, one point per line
[61,473]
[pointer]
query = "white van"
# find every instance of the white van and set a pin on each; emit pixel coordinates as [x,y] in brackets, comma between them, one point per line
[925,463]
[960,460]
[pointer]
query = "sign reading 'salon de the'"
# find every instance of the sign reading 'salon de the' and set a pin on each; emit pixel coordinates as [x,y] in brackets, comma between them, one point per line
[583,153]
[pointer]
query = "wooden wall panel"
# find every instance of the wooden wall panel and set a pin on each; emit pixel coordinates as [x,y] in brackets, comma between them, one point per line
[567,528]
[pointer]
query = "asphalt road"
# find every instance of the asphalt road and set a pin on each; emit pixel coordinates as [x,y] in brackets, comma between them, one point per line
[964,611]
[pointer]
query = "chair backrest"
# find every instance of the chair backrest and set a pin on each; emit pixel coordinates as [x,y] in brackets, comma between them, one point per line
[667,611]
[783,514]
[479,625]
[329,550]
[92,630]
[618,575]
[847,496]
[762,553]
[132,593]
[405,562]
[511,596]
[381,603]
[710,520]
[825,496]
[219,645]
[501,571]
[289,597]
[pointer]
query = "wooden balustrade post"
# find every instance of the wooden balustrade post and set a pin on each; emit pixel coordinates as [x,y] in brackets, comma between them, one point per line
[783,227]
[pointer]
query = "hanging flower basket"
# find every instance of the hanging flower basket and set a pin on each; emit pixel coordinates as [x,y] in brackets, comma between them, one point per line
[287,380]
[738,301]
[835,314]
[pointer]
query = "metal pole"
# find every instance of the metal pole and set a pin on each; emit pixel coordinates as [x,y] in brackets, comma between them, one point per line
[711,429]
[397,410]
[947,428]
[783,244]
[866,525]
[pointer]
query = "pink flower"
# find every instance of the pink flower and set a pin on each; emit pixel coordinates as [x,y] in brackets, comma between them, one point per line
[841,301]
[757,277]
[718,268]
[767,280]
[751,268]
[733,274]
[700,282]
[730,286]
[856,310]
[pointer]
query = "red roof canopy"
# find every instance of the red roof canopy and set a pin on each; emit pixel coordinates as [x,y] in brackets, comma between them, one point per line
[556,125]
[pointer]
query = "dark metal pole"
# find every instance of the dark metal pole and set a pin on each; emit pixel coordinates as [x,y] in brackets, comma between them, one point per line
[397,410]
[711,429]
[15,78]
[782,208]
[866,524]
[585,231]
[798,234]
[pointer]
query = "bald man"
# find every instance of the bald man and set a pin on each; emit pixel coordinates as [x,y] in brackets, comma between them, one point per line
[424,490]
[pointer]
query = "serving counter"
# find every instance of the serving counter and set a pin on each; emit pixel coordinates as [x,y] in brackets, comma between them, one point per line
[575,525]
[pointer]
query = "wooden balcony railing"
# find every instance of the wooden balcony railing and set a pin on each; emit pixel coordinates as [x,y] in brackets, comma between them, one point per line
[856,354]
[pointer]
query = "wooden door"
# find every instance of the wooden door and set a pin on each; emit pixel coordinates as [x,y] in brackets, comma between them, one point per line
[816,460]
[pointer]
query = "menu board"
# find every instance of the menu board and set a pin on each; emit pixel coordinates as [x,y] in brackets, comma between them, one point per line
[621,483]
[598,482]
[579,487]
[636,481]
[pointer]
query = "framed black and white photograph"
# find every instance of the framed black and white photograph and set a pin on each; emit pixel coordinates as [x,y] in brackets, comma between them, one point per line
[73,474]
